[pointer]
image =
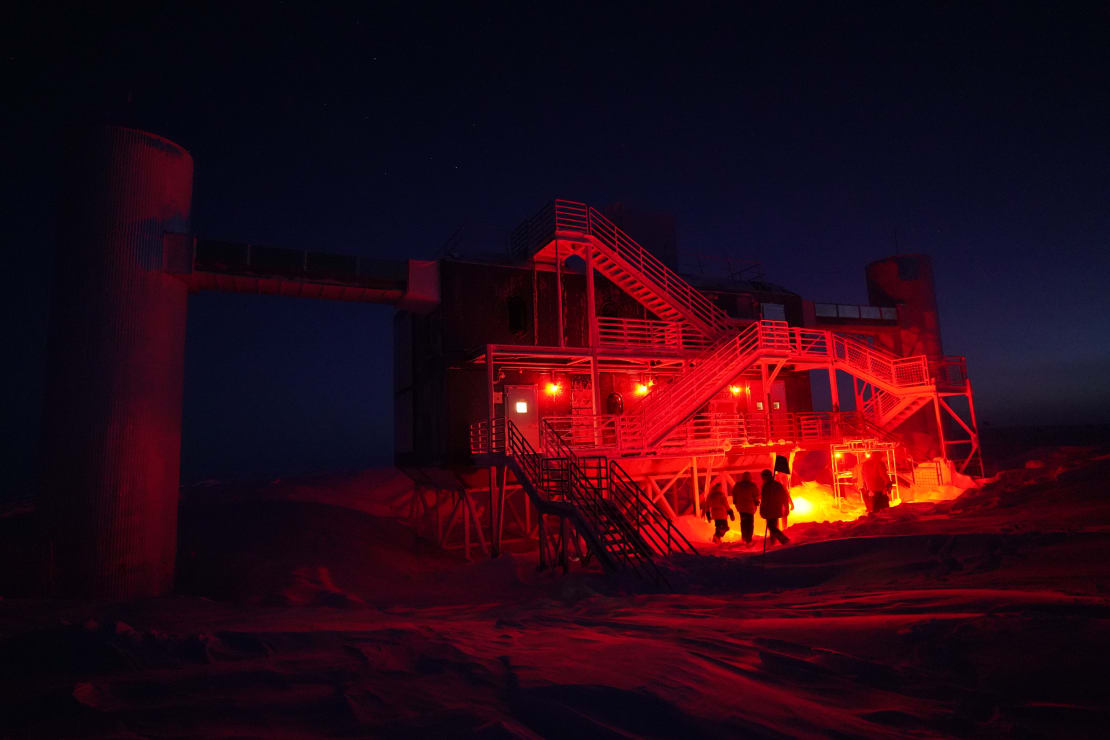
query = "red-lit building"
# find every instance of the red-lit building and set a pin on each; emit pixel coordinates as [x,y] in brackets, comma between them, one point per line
[580,359]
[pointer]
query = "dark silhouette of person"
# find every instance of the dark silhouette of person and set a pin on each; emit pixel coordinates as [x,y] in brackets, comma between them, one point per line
[745,497]
[876,481]
[774,506]
[717,509]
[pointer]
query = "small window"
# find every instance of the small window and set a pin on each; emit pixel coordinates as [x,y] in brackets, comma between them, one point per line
[776,405]
[522,407]
[518,315]
[774,312]
[759,405]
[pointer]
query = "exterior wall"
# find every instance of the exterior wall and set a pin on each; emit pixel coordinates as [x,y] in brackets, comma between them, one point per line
[112,427]
[437,394]
[907,281]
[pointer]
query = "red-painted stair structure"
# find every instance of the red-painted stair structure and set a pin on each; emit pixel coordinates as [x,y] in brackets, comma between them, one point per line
[595,498]
[901,385]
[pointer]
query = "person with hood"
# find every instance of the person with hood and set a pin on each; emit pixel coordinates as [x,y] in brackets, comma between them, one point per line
[717,509]
[745,497]
[775,504]
[876,482]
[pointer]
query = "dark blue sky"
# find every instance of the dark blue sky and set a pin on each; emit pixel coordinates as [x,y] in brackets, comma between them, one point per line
[810,139]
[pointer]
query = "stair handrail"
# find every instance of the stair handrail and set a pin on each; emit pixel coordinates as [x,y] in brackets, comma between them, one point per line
[889,369]
[707,367]
[595,502]
[671,283]
[571,216]
[620,481]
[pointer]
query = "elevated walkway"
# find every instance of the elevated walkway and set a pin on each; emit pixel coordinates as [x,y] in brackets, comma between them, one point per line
[212,265]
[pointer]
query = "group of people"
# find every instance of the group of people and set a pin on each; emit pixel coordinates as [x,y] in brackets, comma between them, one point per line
[772,501]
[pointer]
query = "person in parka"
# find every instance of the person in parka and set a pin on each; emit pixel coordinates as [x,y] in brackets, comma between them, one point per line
[876,483]
[745,497]
[717,509]
[775,504]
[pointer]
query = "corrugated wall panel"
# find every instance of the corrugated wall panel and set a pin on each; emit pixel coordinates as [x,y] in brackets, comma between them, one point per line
[112,426]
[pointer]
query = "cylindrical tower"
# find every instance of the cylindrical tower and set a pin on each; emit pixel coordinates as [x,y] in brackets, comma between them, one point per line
[907,281]
[112,427]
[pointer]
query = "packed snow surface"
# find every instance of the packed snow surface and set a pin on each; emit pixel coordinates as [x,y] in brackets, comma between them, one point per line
[303,610]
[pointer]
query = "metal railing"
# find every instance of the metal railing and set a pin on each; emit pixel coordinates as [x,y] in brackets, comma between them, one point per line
[579,218]
[951,373]
[706,432]
[653,526]
[562,474]
[605,515]
[878,365]
[668,405]
[645,528]
[668,336]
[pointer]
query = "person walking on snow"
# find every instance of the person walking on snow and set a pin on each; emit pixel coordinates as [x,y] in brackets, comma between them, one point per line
[745,497]
[775,504]
[876,481]
[717,508]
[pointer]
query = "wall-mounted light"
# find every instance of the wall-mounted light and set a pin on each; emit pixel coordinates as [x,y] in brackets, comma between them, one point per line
[734,390]
[554,389]
[522,407]
[642,389]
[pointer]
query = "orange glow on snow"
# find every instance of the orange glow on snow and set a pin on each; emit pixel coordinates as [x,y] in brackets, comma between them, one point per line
[814,502]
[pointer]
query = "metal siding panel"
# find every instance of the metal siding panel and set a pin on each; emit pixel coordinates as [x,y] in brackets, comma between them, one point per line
[112,427]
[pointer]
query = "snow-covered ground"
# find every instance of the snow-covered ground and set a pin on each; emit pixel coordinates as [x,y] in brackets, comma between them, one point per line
[304,611]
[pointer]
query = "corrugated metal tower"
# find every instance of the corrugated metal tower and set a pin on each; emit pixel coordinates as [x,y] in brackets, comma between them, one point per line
[112,427]
[907,280]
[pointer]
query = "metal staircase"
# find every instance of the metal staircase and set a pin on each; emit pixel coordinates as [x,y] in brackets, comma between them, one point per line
[620,258]
[670,405]
[620,525]
[901,385]
[890,410]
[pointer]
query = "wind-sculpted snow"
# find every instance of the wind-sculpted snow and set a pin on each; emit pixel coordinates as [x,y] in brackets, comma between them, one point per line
[988,615]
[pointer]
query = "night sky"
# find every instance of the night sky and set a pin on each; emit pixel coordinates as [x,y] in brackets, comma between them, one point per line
[812,140]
